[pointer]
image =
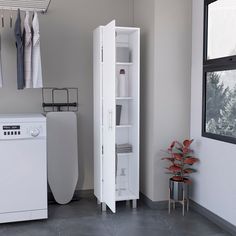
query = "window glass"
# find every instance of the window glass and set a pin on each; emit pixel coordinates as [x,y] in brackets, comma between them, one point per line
[221,103]
[221,29]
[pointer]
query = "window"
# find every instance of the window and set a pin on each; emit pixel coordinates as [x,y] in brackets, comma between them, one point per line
[219,71]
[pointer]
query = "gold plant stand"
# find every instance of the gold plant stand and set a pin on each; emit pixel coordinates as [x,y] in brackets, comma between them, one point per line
[184,202]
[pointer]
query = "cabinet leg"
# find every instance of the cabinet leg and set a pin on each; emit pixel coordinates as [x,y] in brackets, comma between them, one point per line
[169,203]
[98,202]
[104,207]
[174,205]
[127,203]
[134,204]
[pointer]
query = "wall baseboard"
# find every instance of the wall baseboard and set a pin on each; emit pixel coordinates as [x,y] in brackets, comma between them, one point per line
[77,195]
[225,225]
[162,205]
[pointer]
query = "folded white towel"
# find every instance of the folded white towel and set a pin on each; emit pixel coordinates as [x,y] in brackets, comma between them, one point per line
[36,55]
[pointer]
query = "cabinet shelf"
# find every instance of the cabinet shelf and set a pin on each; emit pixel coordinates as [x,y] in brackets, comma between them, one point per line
[125,154]
[124,98]
[123,195]
[123,126]
[124,63]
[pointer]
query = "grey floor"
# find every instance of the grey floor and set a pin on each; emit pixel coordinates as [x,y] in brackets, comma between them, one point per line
[84,218]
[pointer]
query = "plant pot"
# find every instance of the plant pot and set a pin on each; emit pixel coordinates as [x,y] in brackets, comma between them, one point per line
[177,188]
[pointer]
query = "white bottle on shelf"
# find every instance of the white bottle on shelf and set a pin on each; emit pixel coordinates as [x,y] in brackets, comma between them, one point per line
[123,85]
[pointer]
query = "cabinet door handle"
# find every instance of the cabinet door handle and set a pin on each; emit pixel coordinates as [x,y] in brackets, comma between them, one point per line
[110,119]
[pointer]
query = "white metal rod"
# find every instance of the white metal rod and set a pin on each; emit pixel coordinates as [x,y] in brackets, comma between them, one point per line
[48,5]
[22,9]
[25,5]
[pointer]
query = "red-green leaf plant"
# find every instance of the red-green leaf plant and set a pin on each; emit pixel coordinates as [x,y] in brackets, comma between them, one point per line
[181,158]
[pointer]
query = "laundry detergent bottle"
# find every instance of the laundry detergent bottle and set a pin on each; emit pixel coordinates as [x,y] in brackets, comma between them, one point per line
[123,84]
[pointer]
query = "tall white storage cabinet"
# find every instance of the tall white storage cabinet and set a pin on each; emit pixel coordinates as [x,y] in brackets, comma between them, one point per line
[116,145]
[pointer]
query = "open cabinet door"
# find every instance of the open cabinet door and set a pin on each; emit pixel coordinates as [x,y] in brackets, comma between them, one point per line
[109,114]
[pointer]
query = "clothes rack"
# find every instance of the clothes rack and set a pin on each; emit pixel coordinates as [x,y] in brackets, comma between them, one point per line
[25,5]
[50,102]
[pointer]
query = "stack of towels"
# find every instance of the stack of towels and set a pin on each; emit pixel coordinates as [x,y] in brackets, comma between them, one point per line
[124,148]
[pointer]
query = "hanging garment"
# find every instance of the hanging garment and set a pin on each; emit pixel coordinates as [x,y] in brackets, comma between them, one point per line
[20,53]
[1,77]
[27,51]
[36,56]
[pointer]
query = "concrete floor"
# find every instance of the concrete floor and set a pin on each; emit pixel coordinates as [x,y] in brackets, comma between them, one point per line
[84,218]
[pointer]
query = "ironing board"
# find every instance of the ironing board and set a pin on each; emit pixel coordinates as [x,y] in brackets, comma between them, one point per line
[62,155]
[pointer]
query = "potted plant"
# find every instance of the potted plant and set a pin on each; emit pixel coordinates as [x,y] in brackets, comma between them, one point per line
[181,158]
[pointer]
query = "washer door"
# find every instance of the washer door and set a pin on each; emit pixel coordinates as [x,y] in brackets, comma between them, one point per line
[23,175]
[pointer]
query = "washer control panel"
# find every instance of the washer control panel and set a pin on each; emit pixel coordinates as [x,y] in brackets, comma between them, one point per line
[22,131]
[11,130]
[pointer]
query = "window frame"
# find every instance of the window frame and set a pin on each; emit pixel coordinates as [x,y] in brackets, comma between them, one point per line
[211,65]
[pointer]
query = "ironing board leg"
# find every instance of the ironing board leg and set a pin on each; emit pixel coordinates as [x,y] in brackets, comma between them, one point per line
[104,207]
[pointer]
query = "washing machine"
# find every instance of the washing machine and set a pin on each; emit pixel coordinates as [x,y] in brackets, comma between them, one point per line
[23,168]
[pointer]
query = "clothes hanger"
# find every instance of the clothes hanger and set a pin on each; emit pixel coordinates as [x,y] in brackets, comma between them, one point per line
[11,20]
[2,17]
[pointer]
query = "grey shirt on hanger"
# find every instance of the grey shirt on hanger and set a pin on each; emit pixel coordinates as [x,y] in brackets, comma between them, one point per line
[20,53]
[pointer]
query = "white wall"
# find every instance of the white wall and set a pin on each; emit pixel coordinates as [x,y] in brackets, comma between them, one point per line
[214,185]
[144,18]
[172,82]
[66,39]
[165,91]
[66,32]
